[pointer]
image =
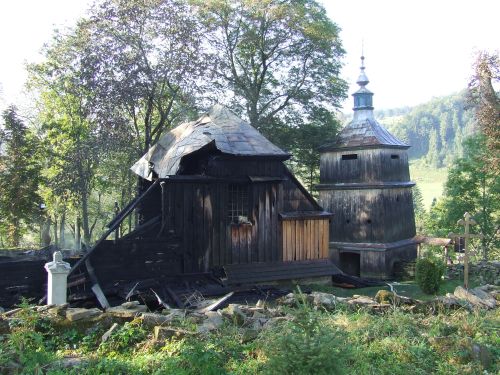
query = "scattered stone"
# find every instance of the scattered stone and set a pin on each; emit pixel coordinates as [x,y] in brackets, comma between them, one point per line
[260,303]
[129,312]
[325,300]
[362,301]
[259,323]
[109,332]
[44,308]
[288,300]
[153,319]
[449,301]
[486,299]
[74,314]
[214,316]
[214,321]
[477,297]
[384,296]
[130,305]
[275,320]
[234,313]
[258,314]
[59,310]
[162,333]
[481,354]
[4,327]
[249,335]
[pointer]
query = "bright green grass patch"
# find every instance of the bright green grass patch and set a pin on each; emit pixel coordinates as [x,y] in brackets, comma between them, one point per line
[404,288]
[429,180]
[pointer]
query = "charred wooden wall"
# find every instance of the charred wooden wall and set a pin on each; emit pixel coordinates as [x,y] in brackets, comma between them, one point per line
[196,206]
[294,199]
[198,214]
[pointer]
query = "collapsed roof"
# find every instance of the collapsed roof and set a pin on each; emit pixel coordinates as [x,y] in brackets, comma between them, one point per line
[230,135]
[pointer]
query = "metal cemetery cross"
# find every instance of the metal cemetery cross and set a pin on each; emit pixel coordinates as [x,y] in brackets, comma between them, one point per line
[466,222]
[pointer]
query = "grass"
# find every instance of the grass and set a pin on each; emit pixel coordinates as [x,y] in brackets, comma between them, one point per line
[343,341]
[403,288]
[429,180]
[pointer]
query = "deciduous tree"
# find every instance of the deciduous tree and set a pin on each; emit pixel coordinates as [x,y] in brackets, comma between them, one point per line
[273,58]
[483,97]
[470,187]
[144,64]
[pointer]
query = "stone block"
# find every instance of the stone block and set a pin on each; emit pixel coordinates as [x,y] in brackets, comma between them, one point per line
[109,332]
[153,319]
[478,298]
[130,305]
[235,314]
[4,327]
[59,310]
[162,333]
[130,312]
[76,314]
[212,322]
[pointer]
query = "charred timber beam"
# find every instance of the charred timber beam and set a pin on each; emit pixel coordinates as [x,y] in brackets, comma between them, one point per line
[141,227]
[96,288]
[123,214]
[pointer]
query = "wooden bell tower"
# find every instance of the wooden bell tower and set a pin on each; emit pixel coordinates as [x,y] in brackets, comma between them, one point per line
[365,183]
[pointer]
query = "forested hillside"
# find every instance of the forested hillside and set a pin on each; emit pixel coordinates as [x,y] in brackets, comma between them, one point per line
[435,130]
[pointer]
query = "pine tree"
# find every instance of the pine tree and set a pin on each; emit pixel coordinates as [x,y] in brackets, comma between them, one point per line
[19,177]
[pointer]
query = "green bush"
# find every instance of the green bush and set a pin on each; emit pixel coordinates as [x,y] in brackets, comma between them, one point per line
[306,345]
[428,274]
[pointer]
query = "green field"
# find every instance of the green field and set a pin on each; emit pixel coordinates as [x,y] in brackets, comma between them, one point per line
[429,180]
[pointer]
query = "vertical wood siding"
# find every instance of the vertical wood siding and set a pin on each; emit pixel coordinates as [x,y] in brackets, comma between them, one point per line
[200,219]
[305,239]
[370,166]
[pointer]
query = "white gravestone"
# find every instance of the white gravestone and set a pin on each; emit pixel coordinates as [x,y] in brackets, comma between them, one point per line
[58,271]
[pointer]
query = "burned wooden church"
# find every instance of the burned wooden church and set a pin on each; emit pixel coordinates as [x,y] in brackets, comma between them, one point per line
[217,198]
[365,182]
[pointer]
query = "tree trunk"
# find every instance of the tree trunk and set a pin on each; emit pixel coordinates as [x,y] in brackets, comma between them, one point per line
[62,239]
[77,234]
[56,234]
[13,235]
[85,220]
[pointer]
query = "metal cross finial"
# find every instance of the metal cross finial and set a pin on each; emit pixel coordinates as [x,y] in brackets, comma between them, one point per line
[362,54]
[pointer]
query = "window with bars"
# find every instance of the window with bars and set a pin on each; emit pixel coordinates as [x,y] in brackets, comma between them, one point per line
[238,205]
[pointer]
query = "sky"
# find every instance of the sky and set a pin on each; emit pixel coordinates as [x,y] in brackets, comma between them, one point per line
[414,50]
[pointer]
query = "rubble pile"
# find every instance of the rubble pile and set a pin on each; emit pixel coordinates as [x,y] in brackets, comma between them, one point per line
[250,319]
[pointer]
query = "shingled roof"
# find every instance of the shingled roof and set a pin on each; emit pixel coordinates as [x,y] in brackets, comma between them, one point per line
[364,132]
[229,133]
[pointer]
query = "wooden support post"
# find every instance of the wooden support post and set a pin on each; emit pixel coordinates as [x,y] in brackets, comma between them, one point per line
[467,221]
[163,208]
[117,231]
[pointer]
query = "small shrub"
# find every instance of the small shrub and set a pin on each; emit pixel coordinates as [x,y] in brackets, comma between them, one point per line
[306,345]
[428,274]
